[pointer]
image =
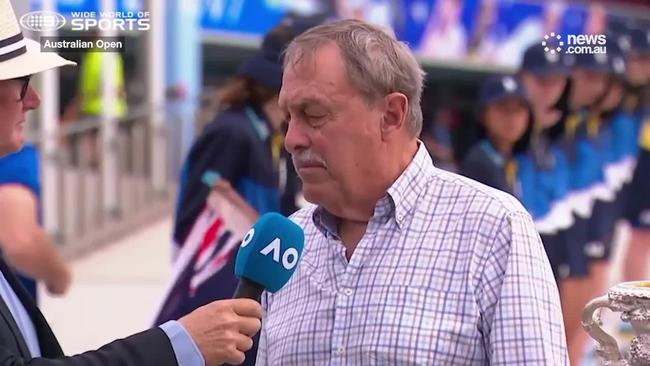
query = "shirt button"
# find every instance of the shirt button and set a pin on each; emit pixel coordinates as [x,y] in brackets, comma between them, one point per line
[340,350]
[348,292]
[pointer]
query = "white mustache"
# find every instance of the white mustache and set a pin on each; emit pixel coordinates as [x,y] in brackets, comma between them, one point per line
[307,158]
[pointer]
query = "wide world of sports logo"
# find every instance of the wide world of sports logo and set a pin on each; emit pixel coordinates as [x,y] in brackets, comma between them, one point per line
[43,21]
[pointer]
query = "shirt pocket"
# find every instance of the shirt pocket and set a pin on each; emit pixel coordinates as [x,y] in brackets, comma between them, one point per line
[421,326]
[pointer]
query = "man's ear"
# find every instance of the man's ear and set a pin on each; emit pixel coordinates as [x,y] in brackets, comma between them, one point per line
[395,113]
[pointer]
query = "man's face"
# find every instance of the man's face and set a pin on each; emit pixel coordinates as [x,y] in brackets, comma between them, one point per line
[506,121]
[334,134]
[12,111]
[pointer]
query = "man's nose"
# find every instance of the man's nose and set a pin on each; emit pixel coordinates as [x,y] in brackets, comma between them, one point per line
[32,100]
[296,138]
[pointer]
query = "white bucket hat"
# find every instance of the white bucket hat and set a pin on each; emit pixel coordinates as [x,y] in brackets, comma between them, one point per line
[20,56]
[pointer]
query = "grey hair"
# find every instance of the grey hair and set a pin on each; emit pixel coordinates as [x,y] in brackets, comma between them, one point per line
[376,62]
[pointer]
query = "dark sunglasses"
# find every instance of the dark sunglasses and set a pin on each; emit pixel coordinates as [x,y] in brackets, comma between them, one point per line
[24,85]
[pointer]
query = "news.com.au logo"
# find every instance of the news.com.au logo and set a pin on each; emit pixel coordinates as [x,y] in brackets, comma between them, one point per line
[42,21]
[575,43]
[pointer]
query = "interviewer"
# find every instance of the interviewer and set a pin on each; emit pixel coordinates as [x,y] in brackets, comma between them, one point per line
[214,334]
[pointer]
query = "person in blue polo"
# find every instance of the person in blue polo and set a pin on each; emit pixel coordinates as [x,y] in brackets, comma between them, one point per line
[505,130]
[243,149]
[614,128]
[637,207]
[580,125]
[23,240]
[242,145]
[544,169]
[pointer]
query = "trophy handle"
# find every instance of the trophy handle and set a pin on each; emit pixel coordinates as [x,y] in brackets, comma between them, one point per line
[607,347]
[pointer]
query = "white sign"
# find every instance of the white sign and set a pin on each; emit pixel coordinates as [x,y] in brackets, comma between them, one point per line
[575,43]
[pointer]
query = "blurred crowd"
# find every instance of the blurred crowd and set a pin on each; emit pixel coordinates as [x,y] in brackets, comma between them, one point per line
[570,137]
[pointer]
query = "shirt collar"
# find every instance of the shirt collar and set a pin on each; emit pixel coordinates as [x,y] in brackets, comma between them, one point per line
[400,197]
[492,153]
[261,124]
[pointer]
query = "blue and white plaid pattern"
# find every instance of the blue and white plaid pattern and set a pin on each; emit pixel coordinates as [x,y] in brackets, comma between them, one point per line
[449,272]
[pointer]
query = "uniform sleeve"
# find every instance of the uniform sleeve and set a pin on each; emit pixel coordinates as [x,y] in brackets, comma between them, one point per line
[519,302]
[222,152]
[482,171]
[562,174]
[21,168]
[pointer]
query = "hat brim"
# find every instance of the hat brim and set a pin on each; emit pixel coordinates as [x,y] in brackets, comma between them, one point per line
[263,70]
[598,68]
[31,62]
[546,71]
[501,97]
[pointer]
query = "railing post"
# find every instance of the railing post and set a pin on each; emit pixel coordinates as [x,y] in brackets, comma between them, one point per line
[156,95]
[183,75]
[108,126]
[49,128]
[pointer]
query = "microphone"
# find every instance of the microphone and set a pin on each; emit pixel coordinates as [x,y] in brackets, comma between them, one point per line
[268,256]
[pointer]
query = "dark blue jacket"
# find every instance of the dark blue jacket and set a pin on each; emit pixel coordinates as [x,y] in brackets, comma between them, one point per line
[237,147]
[484,164]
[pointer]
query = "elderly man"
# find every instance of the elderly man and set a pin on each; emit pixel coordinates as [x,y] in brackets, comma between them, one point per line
[404,263]
[217,333]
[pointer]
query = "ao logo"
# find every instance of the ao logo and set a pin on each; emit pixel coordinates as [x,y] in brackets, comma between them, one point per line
[289,257]
[248,238]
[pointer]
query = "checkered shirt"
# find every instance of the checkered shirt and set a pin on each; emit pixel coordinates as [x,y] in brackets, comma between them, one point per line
[449,272]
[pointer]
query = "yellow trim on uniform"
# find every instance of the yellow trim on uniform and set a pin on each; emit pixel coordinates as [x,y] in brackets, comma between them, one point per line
[511,170]
[644,138]
[572,123]
[593,124]
[277,144]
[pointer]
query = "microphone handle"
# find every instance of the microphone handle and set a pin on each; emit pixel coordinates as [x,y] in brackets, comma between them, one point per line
[248,289]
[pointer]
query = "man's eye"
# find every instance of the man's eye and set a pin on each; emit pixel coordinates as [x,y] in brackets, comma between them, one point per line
[315,112]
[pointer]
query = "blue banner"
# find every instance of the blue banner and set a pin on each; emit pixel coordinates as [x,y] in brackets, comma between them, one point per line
[67,7]
[253,17]
[486,31]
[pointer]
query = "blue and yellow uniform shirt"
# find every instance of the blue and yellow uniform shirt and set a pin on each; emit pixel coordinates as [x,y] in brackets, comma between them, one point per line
[544,177]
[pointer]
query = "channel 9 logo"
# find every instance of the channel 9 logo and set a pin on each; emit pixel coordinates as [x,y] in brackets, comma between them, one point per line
[41,21]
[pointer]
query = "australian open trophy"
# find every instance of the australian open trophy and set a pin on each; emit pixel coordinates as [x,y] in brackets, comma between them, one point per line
[632,300]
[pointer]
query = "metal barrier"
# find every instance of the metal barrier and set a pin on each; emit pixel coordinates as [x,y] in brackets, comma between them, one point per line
[83,218]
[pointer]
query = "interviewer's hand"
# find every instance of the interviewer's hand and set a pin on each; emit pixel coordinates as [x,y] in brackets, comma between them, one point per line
[223,329]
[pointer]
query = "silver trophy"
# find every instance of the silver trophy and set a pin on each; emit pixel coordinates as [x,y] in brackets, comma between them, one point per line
[632,300]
